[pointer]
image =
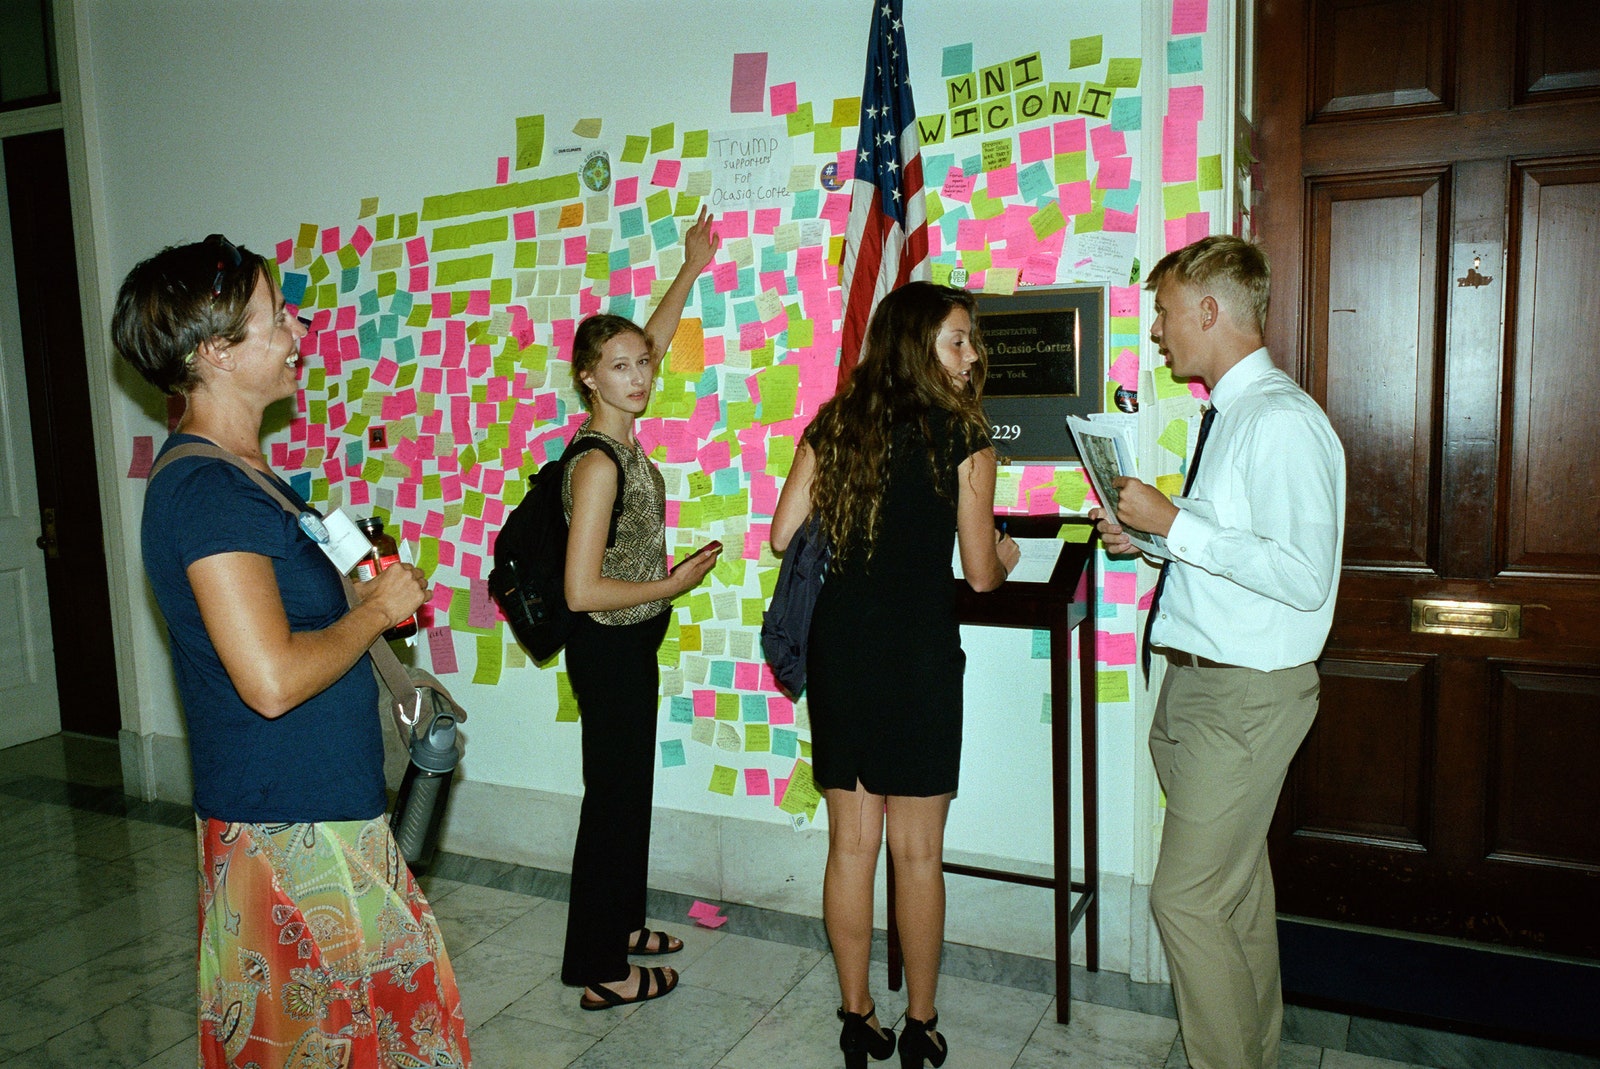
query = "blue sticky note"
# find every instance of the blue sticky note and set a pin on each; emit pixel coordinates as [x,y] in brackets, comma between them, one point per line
[301,482]
[672,755]
[752,707]
[721,674]
[621,305]
[367,304]
[1041,646]
[405,349]
[1127,113]
[957,60]
[388,326]
[1124,200]
[773,260]
[554,448]
[806,203]
[400,304]
[936,168]
[745,312]
[681,709]
[348,278]
[664,232]
[725,482]
[367,334]
[747,283]
[713,310]
[1104,610]
[353,453]
[617,260]
[707,384]
[783,742]
[630,222]
[1035,181]
[972,164]
[1184,56]
[294,287]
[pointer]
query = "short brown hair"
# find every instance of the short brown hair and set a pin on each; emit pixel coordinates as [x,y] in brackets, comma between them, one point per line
[178,299]
[1233,267]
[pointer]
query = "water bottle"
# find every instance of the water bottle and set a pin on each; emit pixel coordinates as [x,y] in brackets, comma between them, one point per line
[384,553]
[420,804]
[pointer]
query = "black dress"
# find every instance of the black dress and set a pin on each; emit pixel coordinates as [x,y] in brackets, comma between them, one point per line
[884,663]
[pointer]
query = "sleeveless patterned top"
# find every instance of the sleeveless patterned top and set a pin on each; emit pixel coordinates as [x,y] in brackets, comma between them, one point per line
[640,552]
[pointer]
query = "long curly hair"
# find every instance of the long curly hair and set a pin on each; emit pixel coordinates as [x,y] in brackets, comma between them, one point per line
[899,380]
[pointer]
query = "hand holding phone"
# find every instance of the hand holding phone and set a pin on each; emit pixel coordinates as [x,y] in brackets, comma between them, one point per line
[709,547]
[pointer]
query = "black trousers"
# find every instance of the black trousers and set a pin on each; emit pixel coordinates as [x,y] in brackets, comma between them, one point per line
[618,687]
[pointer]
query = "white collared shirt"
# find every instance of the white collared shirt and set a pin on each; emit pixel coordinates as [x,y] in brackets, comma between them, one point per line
[1256,586]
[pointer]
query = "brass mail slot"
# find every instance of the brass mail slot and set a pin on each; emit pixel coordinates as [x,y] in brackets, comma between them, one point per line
[1478,619]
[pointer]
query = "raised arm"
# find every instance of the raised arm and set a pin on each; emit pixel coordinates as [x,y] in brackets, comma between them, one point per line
[700,245]
[273,668]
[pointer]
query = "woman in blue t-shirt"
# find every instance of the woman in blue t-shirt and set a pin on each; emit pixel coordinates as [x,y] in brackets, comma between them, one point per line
[316,944]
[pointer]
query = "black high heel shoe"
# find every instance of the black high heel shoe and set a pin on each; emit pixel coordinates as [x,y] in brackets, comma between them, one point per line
[919,1040]
[858,1039]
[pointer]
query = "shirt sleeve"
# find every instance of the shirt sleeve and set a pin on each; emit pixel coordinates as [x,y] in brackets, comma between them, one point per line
[217,509]
[1281,539]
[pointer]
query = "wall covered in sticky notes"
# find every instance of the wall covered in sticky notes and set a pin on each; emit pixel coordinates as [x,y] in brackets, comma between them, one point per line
[446,192]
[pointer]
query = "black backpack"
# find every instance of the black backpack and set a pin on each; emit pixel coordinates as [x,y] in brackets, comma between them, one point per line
[530,556]
[786,625]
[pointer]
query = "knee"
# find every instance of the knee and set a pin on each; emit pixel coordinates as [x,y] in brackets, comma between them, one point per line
[916,849]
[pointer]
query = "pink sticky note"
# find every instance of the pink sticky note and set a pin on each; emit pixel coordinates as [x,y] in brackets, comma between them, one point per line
[757,782]
[1186,102]
[441,651]
[1124,301]
[478,303]
[1115,648]
[1114,172]
[1076,198]
[749,81]
[705,703]
[143,456]
[767,220]
[1198,225]
[576,249]
[970,234]
[1125,369]
[480,611]
[1121,222]
[1034,144]
[1003,183]
[1177,234]
[1188,16]
[703,909]
[666,173]
[1070,136]
[1180,145]
[1107,142]
[502,171]
[1118,588]
[958,185]
[525,225]
[711,922]
[783,99]
[780,710]
[746,676]
[330,240]
[627,191]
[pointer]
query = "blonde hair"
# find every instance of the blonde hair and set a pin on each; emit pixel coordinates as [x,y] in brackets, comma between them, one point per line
[1232,269]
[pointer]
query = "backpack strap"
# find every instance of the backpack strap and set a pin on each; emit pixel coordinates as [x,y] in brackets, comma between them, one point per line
[407,702]
[580,445]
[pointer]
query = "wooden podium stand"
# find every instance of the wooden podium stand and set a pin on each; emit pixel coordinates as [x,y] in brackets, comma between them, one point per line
[1058,606]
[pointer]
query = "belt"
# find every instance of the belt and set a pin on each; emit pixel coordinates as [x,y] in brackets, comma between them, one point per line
[1190,660]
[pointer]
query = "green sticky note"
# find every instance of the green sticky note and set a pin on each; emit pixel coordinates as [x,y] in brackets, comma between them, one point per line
[1072,490]
[757,738]
[566,701]
[723,780]
[826,140]
[1047,220]
[1179,199]
[672,755]
[490,654]
[1175,436]
[695,144]
[663,138]
[530,141]
[1071,167]
[1210,173]
[1123,73]
[1085,51]
[1111,686]
[634,147]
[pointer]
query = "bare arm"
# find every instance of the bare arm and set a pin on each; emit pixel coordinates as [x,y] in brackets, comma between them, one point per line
[700,246]
[986,558]
[273,668]
[794,504]
[594,489]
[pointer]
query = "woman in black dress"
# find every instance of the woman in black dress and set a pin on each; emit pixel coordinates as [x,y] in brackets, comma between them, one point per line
[895,467]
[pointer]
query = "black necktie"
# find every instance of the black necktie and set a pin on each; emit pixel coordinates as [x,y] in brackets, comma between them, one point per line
[1161,579]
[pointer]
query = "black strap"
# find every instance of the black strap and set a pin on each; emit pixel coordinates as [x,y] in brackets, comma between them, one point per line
[1161,579]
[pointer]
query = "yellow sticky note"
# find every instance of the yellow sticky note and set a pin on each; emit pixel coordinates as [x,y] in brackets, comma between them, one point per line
[566,701]
[489,660]
[1123,73]
[530,141]
[1085,51]
[723,780]
[1112,686]
[846,112]
[587,128]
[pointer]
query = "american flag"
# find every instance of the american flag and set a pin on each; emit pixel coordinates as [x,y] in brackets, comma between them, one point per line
[886,243]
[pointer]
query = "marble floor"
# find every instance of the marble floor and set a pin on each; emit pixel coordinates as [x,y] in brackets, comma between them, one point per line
[97,966]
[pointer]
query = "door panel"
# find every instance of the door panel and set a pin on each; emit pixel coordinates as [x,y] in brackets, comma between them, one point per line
[1434,266]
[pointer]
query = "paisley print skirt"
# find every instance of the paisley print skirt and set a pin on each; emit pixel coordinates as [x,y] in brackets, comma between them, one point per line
[317,949]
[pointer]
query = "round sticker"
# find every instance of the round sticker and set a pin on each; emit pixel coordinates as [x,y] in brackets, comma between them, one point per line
[1127,400]
[830,178]
[596,172]
[958,277]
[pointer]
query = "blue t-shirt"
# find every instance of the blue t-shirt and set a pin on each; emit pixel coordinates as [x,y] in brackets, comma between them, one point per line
[323,759]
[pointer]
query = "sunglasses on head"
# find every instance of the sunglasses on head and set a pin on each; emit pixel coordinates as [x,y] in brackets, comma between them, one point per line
[228,259]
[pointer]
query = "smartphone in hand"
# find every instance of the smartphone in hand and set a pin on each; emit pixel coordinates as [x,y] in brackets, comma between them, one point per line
[709,547]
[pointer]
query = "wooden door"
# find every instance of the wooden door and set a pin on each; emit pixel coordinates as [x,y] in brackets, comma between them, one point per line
[63,438]
[1430,201]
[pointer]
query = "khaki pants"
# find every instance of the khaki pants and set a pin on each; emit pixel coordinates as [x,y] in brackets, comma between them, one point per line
[1222,740]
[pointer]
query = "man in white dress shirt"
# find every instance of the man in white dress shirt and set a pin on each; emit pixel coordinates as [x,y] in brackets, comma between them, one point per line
[1240,615]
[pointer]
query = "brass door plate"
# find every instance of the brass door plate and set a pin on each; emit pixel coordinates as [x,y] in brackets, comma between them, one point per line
[1475,619]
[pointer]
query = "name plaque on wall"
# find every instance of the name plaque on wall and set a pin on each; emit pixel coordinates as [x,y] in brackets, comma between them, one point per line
[1046,362]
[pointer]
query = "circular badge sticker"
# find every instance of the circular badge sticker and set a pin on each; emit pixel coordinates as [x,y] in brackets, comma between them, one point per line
[958,276]
[596,172]
[830,178]
[1127,400]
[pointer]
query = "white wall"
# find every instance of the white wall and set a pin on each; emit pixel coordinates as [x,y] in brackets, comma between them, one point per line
[255,118]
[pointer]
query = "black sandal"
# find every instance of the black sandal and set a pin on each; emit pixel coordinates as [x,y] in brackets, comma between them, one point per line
[666,944]
[653,983]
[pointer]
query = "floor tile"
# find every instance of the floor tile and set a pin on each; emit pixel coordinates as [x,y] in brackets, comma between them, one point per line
[513,1041]
[691,1028]
[1099,1036]
[739,965]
